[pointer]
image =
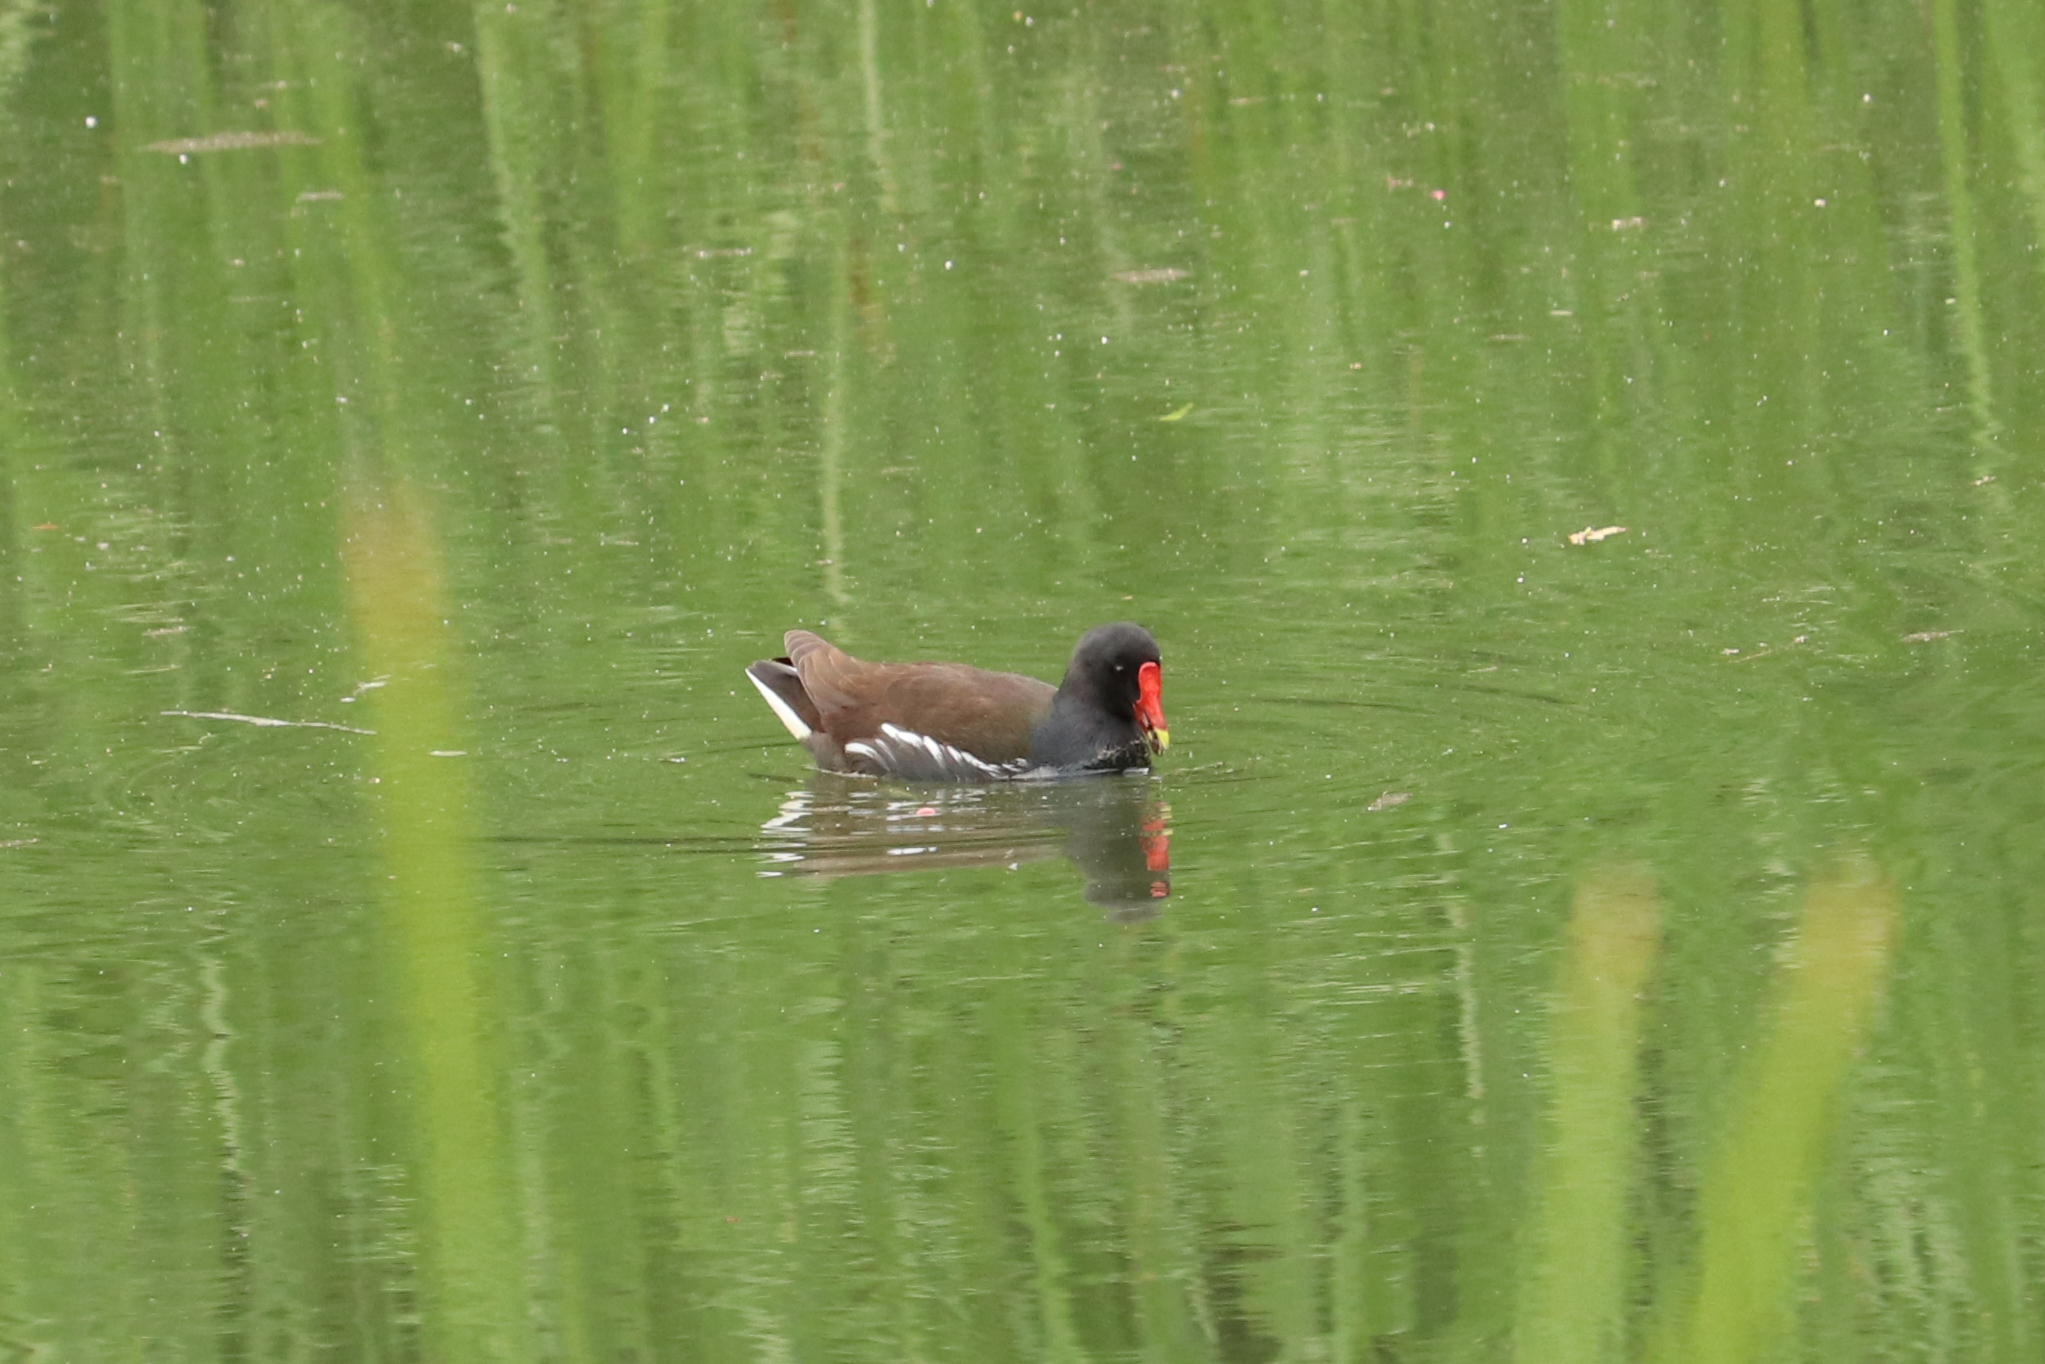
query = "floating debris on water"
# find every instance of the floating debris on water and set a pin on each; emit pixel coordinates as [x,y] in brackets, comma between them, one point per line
[1590,535]
[233,142]
[266,721]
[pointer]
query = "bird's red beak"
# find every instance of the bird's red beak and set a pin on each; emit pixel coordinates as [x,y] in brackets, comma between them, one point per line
[1150,710]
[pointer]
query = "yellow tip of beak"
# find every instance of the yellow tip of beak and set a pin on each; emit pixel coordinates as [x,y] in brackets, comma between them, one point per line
[1162,737]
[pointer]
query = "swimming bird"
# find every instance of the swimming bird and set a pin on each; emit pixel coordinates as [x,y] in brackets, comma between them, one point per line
[952,722]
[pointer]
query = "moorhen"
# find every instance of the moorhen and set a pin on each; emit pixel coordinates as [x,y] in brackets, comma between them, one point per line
[950,722]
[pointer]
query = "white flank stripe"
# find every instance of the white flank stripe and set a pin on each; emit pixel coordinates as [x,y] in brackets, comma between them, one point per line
[784,711]
[904,750]
[944,754]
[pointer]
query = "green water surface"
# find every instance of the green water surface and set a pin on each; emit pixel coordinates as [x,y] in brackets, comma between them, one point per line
[1529,950]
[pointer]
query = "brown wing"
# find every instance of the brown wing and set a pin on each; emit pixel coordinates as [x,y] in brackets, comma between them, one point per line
[986,714]
[841,687]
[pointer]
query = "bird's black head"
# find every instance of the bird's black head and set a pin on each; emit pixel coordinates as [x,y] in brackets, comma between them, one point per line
[1117,668]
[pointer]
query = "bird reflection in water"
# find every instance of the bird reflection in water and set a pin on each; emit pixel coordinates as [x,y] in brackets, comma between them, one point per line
[1115,830]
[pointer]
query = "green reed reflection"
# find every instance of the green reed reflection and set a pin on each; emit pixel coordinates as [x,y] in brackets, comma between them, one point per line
[1573,1287]
[1759,1182]
[438,946]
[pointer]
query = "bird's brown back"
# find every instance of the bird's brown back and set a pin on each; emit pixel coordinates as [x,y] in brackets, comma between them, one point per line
[988,714]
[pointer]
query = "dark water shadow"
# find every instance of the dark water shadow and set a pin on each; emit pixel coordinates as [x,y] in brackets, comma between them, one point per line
[1115,830]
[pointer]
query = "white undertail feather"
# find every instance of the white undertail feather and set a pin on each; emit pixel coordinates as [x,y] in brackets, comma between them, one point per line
[782,710]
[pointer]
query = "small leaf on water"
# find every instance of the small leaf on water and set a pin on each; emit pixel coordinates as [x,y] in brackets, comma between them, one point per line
[1590,535]
[1174,416]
